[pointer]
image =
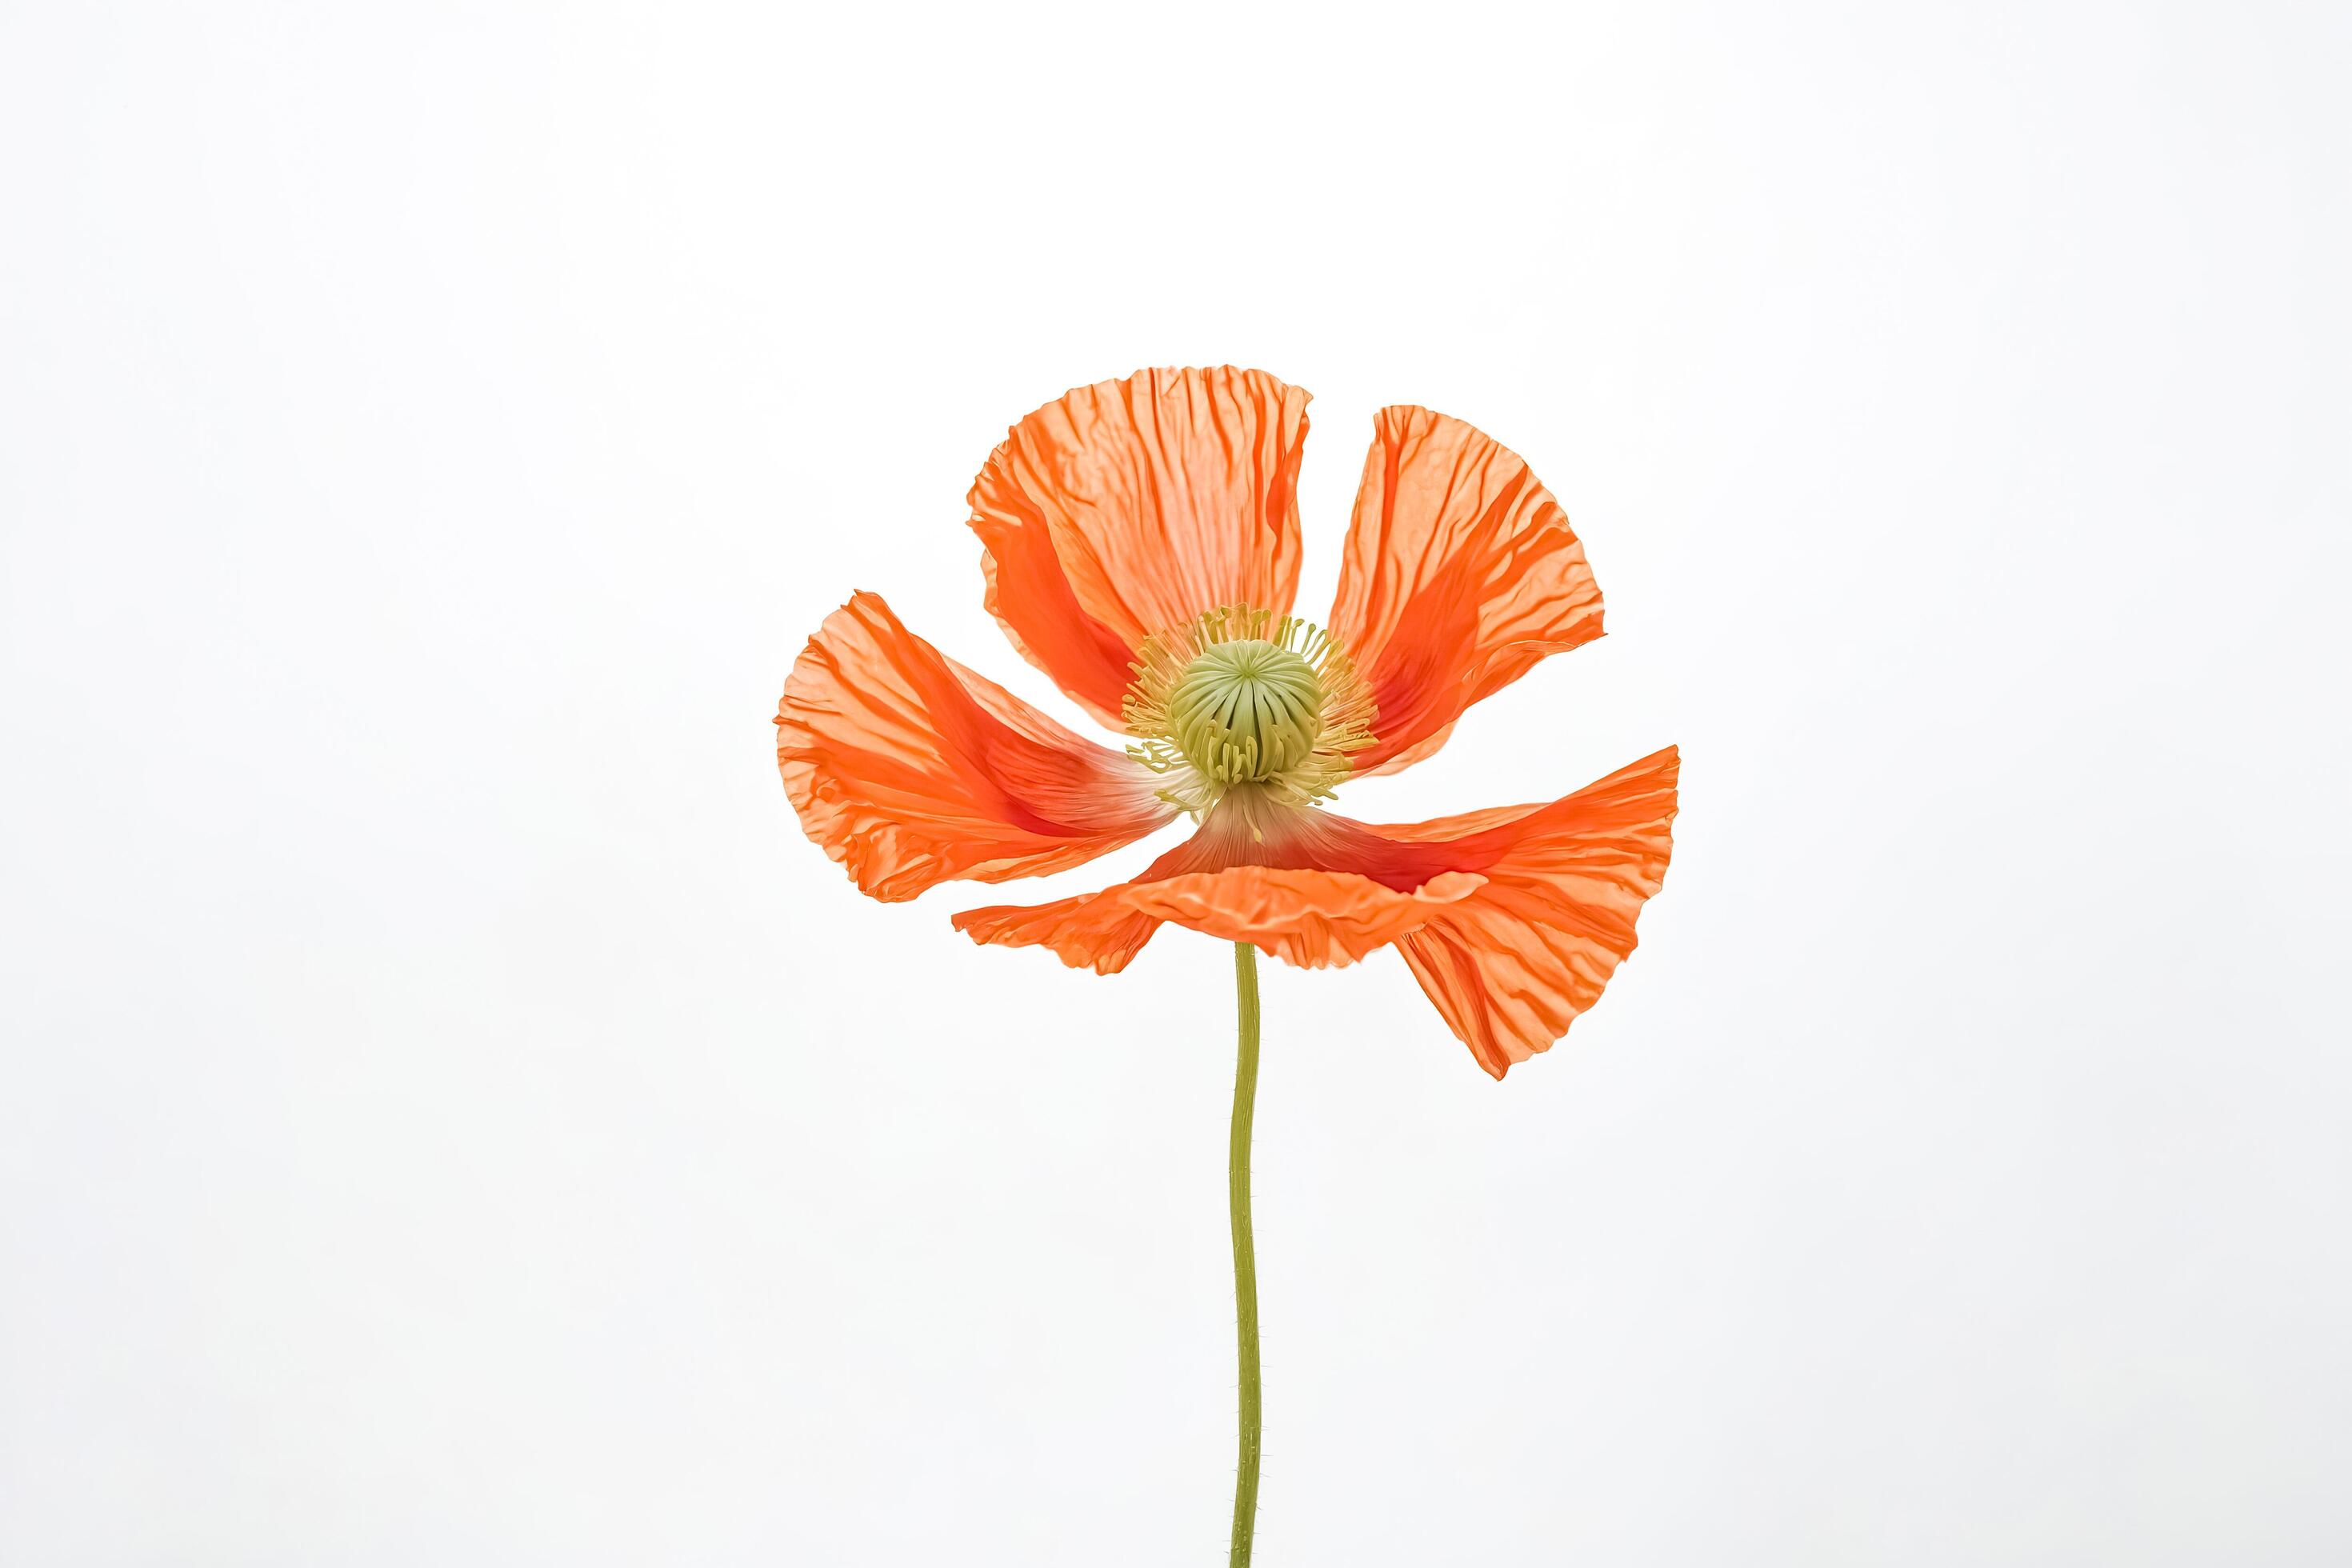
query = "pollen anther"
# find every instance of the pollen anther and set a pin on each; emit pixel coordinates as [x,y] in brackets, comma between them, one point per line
[1240,697]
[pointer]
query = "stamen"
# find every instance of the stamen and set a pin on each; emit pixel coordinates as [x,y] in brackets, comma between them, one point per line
[1237,697]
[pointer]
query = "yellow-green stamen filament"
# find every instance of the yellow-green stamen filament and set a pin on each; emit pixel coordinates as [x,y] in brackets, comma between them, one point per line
[1241,697]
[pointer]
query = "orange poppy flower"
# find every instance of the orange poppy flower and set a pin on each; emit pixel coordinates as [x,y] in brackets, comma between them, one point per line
[1140,546]
[1140,543]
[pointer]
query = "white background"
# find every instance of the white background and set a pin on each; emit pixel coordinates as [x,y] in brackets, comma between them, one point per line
[450,1115]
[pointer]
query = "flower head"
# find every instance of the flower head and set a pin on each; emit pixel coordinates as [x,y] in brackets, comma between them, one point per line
[1141,547]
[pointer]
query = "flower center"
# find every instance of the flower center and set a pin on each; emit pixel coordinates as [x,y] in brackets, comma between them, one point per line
[1246,711]
[1242,697]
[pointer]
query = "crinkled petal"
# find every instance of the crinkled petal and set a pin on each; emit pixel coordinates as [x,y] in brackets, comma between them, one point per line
[1512,919]
[1315,920]
[1512,965]
[1092,930]
[1461,573]
[1131,507]
[911,770]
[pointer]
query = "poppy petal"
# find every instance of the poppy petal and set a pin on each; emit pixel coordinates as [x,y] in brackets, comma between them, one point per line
[1461,573]
[1258,870]
[1513,919]
[911,770]
[1512,965]
[1129,508]
[1315,920]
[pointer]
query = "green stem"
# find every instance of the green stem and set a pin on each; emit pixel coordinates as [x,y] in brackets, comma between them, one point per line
[1246,1255]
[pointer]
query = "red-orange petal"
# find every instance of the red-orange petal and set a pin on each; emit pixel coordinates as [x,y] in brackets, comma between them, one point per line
[911,770]
[1461,573]
[1510,967]
[1129,507]
[1512,919]
[1315,920]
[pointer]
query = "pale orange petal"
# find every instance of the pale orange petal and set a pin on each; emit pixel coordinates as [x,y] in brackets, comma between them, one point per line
[1131,507]
[1461,573]
[911,770]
